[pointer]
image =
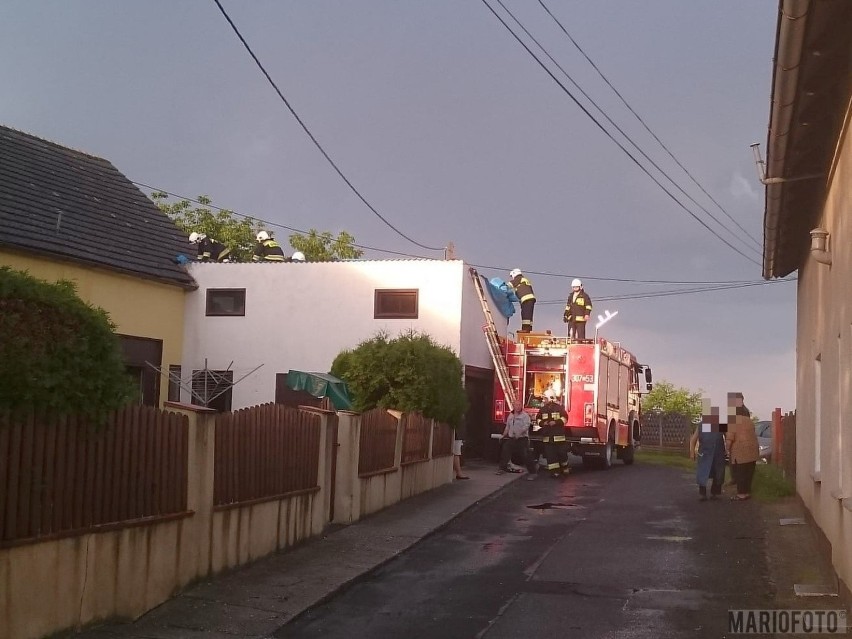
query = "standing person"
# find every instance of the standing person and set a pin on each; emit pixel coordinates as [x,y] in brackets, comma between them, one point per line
[458,441]
[578,309]
[552,419]
[267,249]
[710,447]
[524,291]
[516,441]
[209,250]
[744,451]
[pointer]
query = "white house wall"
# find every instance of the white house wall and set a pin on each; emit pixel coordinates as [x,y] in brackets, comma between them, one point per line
[301,315]
[824,351]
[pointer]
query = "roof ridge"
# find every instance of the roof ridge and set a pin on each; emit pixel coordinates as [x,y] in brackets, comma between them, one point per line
[54,143]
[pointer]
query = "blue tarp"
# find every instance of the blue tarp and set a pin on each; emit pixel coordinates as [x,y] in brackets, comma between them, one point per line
[503,295]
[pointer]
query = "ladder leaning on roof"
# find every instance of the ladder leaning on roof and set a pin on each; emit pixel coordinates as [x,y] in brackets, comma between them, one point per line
[493,343]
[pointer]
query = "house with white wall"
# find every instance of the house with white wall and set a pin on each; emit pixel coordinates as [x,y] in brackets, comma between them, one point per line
[248,324]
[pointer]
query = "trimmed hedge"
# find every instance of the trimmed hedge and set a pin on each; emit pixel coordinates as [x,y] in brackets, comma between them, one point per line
[58,354]
[411,373]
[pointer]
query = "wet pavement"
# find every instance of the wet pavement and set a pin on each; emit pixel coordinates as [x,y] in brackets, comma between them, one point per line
[628,552]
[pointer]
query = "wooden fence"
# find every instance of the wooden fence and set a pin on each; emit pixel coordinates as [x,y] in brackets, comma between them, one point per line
[378,442]
[265,452]
[65,476]
[415,442]
[442,440]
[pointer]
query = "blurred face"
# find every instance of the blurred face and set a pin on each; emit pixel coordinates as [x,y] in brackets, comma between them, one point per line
[576,288]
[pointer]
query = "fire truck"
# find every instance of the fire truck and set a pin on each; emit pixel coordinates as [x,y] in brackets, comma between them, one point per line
[597,381]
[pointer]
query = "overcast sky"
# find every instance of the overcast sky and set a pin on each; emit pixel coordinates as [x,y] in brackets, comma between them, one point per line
[454,133]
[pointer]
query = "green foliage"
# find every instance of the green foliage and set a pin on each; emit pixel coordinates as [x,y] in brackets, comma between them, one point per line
[666,398]
[324,247]
[410,373]
[222,225]
[57,354]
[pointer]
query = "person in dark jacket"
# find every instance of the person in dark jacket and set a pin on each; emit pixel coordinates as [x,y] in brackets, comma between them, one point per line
[209,250]
[267,249]
[552,419]
[524,291]
[578,309]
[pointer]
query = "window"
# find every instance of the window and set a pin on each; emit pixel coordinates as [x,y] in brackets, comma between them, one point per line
[396,304]
[212,389]
[226,301]
[174,383]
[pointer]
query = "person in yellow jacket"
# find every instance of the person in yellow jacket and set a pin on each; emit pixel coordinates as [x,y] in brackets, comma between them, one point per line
[267,249]
[524,291]
[578,309]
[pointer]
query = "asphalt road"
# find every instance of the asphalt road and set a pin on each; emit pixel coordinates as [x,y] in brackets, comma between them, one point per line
[628,552]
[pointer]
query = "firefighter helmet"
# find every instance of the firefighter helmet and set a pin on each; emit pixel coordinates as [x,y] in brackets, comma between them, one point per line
[576,282]
[298,256]
[262,236]
[514,273]
[549,395]
[194,237]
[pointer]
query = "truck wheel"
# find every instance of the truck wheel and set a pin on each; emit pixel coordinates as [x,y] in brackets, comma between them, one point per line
[627,455]
[609,453]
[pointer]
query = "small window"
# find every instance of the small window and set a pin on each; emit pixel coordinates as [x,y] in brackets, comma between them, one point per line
[226,301]
[174,383]
[396,304]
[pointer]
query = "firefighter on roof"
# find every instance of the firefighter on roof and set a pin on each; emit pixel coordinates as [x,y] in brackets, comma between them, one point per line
[209,250]
[524,291]
[267,249]
[552,419]
[578,309]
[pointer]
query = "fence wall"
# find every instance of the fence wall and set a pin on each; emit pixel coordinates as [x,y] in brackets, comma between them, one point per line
[788,446]
[666,431]
[203,493]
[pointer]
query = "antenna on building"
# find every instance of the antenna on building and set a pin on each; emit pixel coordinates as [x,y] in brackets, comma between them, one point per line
[450,251]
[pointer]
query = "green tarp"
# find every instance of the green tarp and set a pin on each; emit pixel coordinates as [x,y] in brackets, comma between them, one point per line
[321,385]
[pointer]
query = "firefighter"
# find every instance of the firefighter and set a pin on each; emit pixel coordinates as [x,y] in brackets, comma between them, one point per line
[552,419]
[524,291]
[209,250]
[267,249]
[578,309]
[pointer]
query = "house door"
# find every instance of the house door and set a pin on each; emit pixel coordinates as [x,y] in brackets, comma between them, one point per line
[479,386]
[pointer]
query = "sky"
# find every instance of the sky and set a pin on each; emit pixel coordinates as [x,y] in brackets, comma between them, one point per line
[454,133]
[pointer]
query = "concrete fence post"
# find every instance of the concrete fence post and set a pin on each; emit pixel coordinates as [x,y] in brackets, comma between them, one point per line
[347,492]
[322,504]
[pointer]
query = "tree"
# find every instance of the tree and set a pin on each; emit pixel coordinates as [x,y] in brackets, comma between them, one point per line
[324,247]
[222,225]
[59,354]
[410,373]
[666,398]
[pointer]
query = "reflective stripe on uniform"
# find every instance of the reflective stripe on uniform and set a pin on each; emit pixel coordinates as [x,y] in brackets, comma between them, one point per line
[527,297]
[553,467]
[559,438]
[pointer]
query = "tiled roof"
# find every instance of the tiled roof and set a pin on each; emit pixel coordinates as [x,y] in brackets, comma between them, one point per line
[66,204]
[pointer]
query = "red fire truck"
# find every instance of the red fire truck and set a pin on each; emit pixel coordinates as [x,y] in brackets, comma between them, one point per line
[598,382]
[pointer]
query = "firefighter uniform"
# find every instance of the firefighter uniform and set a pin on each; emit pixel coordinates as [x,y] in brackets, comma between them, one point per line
[268,250]
[578,306]
[524,291]
[552,419]
[209,250]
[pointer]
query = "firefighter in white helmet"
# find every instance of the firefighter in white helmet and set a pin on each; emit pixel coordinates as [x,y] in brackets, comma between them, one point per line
[267,249]
[578,309]
[552,419]
[298,256]
[524,291]
[209,250]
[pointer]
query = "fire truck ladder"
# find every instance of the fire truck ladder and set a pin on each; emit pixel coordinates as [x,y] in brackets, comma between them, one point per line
[494,344]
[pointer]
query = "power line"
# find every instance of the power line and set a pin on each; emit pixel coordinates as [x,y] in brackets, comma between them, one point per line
[616,142]
[647,128]
[675,292]
[415,256]
[623,133]
[313,139]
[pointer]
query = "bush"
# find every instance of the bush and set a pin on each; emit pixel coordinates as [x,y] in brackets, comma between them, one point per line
[411,373]
[58,354]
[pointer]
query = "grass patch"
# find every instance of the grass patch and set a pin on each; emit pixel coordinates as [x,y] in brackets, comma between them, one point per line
[770,484]
[665,458]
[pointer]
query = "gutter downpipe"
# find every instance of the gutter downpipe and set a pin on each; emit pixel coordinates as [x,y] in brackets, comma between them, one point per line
[792,22]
